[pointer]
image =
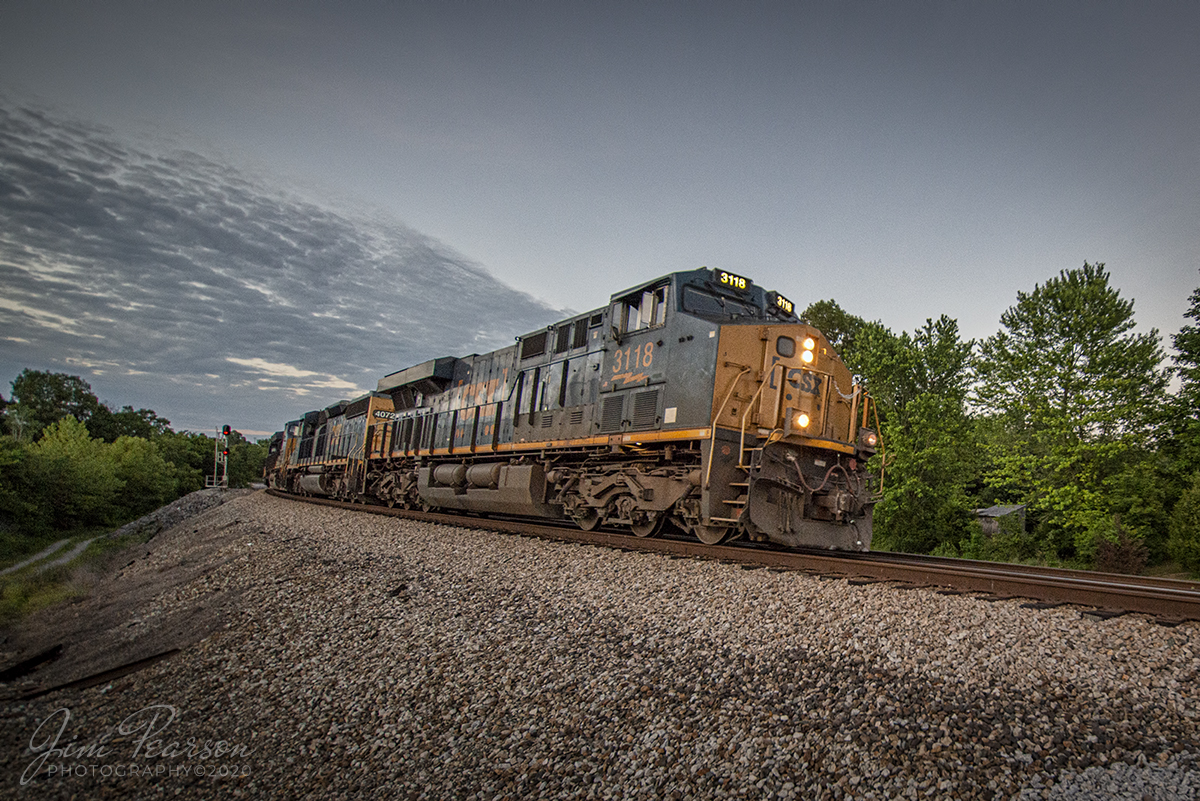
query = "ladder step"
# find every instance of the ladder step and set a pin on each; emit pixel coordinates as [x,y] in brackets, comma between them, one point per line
[739,483]
[724,519]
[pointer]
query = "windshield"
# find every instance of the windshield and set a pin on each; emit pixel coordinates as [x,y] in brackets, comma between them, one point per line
[702,303]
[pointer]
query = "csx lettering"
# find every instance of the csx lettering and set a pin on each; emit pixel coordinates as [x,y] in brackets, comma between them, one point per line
[804,381]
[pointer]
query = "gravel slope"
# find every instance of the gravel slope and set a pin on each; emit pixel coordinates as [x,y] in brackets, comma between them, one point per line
[339,654]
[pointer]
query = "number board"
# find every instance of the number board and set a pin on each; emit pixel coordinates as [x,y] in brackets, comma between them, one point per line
[780,303]
[732,280]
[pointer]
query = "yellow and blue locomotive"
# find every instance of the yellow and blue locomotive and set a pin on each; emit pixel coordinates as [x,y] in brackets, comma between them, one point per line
[697,399]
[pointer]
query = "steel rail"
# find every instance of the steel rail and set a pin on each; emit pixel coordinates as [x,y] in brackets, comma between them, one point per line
[1170,601]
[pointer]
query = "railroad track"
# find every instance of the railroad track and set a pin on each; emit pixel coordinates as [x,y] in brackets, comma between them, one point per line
[1168,601]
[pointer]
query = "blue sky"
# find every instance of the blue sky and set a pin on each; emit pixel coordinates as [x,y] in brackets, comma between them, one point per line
[905,159]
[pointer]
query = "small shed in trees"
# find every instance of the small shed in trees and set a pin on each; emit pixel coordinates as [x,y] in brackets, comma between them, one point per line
[991,517]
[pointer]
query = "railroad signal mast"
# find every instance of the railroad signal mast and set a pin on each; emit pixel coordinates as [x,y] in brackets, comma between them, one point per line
[220,476]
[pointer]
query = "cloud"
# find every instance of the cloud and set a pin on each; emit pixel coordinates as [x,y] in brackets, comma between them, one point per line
[201,286]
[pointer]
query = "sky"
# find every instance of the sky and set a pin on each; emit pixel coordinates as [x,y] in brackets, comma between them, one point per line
[906,159]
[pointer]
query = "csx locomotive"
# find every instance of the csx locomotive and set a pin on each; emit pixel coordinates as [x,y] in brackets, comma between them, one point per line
[697,399]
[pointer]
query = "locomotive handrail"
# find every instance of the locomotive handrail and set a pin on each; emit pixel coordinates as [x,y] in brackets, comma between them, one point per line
[712,438]
[749,406]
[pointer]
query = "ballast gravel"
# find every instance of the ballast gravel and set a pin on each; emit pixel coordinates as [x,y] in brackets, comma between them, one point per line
[353,655]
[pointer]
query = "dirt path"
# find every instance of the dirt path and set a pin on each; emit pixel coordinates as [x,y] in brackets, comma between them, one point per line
[39,555]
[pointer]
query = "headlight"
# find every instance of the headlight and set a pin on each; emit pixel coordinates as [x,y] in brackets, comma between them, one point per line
[867,439]
[802,420]
[807,357]
[810,343]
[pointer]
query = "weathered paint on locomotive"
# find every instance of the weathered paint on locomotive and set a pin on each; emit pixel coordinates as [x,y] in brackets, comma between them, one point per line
[680,400]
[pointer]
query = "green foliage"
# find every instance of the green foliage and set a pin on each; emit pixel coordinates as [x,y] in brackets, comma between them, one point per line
[33,588]
[146,480]
[110,426]
[1012,543]
[28,591]
[68,480]
[245,463]
[76,476]
[920,385]
[1184,542]
[925,503]
[1074,392]
[839,327]
[189,458]
[1119,551]
[1180,435]
[41,398]
[20,514]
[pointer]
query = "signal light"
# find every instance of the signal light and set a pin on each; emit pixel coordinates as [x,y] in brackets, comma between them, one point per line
[226,431]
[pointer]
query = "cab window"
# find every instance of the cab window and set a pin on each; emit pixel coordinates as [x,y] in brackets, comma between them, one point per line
[640,310]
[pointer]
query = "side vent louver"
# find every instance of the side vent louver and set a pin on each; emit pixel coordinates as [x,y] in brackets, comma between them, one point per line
[610,414]
[533,345]
[645,409]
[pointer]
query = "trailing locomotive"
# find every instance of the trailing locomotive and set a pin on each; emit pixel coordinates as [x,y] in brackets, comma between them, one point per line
[697,399]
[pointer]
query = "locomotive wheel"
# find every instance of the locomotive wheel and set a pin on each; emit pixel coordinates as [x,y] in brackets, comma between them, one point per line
[587,519]
[652,526]
[711,535]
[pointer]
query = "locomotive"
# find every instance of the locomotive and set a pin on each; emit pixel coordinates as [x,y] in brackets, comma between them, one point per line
[697,400]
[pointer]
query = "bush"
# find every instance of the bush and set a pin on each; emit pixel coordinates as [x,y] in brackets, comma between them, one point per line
[1010,544]
[1184,542]
[1119,551]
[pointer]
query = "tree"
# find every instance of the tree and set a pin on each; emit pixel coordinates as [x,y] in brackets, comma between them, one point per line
[246,458]
[40,398]
[189,457]
[1074,392]
[75,475]
[920,383]
[1182,436]
[19,495]
[1184,544]
[110,426]
[838,326]
[146,480]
